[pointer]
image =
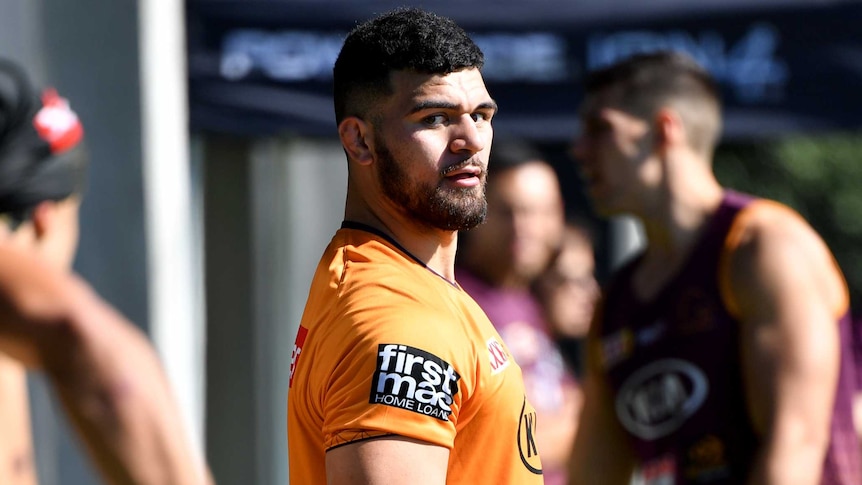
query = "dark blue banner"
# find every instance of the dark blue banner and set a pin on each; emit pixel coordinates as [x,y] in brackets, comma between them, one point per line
[264,67]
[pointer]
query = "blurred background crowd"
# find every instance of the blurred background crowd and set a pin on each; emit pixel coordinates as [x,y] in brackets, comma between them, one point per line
[216,175]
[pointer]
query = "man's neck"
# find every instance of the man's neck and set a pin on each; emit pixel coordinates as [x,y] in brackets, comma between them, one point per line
[434,247]
[672,232]
[676,216]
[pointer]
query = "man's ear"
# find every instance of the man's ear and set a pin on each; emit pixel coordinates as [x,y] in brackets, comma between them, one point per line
[669,129]
[355,135]
[43,216]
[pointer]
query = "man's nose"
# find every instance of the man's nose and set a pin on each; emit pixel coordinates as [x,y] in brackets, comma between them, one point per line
[467,137]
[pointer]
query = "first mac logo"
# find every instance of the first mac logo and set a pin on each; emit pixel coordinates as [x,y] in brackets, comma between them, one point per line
[415,380]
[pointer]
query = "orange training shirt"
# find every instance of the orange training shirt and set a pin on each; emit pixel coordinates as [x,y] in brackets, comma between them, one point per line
[386,346]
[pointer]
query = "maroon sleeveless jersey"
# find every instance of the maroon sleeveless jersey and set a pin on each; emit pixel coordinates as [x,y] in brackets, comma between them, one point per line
[673,364]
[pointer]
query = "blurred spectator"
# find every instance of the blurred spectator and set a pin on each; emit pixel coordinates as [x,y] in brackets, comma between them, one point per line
[498,261]
[567,291]
[103,370]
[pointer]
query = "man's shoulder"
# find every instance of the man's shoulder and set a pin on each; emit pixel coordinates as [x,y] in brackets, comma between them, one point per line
[771,243]
[369,252]
[355,264]
[26,279]
[371,281]
[766,224]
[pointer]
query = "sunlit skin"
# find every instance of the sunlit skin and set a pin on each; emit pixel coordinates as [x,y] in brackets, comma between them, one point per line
[436,131]
[103,370]
[17,466]
[51,232]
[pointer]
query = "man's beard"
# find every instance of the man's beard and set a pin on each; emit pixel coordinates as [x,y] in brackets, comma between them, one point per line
[439,207]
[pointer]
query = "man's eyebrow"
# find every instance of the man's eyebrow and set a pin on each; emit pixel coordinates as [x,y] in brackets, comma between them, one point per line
[435,104]
[489,105]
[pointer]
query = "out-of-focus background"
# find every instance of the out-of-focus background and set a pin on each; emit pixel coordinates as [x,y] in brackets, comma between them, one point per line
[217,178]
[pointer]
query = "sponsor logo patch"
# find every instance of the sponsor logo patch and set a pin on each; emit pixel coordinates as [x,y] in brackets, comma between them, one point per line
[413,379]
[497,355]
[527,439]
[297,351]
[657,399]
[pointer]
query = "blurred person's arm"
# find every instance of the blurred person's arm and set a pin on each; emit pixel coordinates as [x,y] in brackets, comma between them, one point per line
[602,454]
[788,295]
[104,370]
[17,461]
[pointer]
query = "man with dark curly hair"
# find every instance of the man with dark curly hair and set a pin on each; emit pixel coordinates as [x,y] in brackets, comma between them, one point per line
[397,376]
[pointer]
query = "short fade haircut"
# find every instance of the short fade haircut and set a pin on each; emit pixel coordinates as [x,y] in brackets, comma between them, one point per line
[644,83]
[405,39]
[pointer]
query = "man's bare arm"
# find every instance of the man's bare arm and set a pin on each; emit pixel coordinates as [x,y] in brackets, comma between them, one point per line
[17,459]
[104,370]
[789,294]
[387,460]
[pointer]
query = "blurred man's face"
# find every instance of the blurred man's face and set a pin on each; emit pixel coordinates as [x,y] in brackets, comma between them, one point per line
[611,151]
[525,220]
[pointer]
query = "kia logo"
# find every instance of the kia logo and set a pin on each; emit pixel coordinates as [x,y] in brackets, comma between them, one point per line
[657,399]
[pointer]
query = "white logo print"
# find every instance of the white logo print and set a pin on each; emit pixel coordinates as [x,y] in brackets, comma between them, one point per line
[497,355]
[415,380]
[657,399]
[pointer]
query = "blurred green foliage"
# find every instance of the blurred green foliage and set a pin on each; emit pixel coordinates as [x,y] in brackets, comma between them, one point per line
[818,175]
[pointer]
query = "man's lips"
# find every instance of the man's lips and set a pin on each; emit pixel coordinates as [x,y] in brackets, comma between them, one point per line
[469,175]
[466,176]
[465,172]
